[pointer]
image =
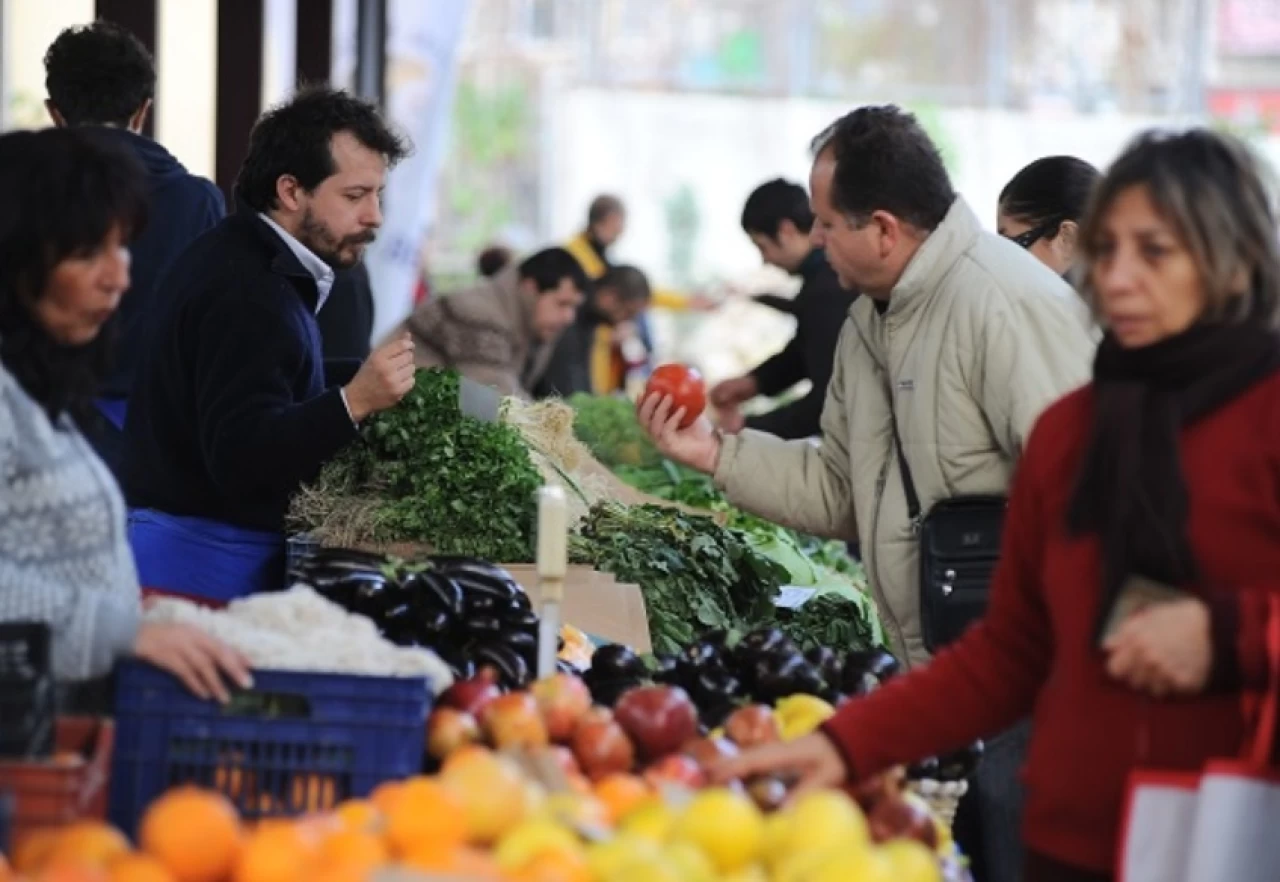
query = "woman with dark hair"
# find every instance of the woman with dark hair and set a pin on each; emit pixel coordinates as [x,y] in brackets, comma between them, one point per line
[72,202]
[1159,481]
[1042,207]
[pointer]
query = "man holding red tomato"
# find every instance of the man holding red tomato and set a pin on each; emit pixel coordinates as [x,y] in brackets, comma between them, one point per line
[961,341]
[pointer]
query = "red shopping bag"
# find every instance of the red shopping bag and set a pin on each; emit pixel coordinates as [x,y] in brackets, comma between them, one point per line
[1218,825]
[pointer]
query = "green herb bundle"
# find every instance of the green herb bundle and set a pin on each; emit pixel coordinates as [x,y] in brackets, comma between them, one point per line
[425,473]
[608,426]
[696,576]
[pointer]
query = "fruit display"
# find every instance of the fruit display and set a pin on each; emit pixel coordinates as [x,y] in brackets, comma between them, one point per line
[468,611]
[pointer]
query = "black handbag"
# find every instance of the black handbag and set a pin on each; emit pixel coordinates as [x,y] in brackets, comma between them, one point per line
[959,549]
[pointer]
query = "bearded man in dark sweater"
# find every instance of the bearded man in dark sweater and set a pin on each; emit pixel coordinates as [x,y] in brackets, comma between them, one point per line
[233,409]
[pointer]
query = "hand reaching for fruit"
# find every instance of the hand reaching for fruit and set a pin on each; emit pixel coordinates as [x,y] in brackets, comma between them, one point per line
[813,760]
[691,441]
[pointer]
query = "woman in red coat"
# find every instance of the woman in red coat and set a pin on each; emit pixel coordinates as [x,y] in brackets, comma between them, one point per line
[1165,469]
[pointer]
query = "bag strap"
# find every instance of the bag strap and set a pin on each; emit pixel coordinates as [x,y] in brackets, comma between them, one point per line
[1260,752]
[908,485]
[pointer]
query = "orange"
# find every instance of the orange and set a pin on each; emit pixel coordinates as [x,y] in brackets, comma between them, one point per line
[89,843]
[277,851]
[32,850]
[194,833]
[425,811]
[555,866]
[620,793]
[353,850]
[63,871]
[460,860]
[6,872]
[138,868]
[385,796]
[358,814]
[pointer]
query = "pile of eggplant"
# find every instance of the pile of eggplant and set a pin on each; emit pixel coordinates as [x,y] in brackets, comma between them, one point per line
[765,666]
[470,612]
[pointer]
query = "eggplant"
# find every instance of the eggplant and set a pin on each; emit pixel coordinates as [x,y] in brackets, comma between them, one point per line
[436,623]
[879,662]
[664,668]
[436,589]
[511,666]
[759,643]
[828,663]
[773,681]
[718,638]
[481,605]
[458,561]
[618,661]
[526,621]
[524,643]
[607,689]
[806,679]
[483,626]
[858,684]
[704,655]
[962,764]
[925,770]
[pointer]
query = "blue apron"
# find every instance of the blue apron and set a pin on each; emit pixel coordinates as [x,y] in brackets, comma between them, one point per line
[203,559]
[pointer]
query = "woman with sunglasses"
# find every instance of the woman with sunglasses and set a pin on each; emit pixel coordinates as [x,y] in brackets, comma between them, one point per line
[1159,479]
[1041,209]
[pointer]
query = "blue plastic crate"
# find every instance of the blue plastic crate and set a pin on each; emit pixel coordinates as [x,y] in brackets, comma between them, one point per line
[296,742]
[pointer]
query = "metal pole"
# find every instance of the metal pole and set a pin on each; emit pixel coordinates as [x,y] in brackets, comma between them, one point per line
[371,50]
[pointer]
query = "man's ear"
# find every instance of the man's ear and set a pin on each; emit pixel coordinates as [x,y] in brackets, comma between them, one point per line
[138,121]
[288,192]
[55,114]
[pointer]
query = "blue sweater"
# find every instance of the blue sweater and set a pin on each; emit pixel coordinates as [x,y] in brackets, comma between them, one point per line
[230,413]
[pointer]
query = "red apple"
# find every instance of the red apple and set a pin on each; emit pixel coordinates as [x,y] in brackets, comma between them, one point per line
[752,726]
[896,818]
[676,768]
[513,720]
[659,719]
[564,759]
[563,700]
[709,751]
[449,729]
[473,694]
[601,747]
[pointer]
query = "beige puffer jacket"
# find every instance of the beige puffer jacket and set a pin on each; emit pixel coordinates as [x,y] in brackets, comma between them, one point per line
[977,339]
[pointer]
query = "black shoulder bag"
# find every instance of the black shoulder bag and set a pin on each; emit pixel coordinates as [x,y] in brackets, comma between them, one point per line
[959,548]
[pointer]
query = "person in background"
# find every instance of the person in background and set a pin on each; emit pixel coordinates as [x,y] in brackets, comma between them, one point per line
[502,332]
[74,200]
[1161,470]
[588,356]
[958,342]
[493,260]
[1042,207]
[234,410]
[100,75]
[777,218]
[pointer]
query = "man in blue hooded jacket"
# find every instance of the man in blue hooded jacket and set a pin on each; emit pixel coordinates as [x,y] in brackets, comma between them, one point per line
[101,75]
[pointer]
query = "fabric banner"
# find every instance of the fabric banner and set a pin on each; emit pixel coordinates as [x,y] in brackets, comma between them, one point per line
[423,40]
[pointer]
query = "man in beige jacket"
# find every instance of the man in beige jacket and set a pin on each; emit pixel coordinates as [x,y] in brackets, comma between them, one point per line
[502,331]
[962,336]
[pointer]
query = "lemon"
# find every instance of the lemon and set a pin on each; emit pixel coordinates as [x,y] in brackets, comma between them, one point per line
[911,861]
[690,862]
[853,865]
[726,825]
[529,839]
[749,873]
[647,868]
[652,820]
[818,821]
[794,706]
[606,859]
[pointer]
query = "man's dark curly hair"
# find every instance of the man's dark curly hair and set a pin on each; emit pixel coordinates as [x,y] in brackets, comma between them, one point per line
[294,138]
[98,74]
[886,162]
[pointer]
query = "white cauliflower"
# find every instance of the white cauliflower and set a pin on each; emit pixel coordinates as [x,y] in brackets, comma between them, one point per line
[298,630]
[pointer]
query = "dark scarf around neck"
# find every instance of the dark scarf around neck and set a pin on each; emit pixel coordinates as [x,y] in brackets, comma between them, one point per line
[1130,491]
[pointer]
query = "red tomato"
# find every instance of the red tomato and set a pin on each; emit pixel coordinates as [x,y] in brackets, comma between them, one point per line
[682,383]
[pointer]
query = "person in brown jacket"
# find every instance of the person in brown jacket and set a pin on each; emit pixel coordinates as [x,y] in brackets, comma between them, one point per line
[502,331]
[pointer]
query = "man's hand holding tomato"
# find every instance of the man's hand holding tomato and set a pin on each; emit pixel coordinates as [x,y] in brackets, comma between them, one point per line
[671,412]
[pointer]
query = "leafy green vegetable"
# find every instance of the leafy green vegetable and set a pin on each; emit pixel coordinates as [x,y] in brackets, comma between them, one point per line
[458,484]
[696,576]
[839,617]
[609,428]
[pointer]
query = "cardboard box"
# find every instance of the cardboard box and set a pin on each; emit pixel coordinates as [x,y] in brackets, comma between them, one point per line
[597,603]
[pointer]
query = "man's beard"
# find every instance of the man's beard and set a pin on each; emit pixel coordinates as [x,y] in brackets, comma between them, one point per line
[322,242]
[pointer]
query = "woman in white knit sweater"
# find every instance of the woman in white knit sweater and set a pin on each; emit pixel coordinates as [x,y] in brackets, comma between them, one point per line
[69,202]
